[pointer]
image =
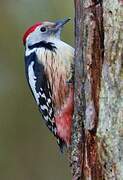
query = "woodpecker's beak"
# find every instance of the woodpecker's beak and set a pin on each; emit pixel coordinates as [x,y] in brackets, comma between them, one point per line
[58,26]
[60,23]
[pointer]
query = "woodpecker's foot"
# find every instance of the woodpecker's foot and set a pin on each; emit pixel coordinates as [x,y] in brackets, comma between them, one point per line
[70,81]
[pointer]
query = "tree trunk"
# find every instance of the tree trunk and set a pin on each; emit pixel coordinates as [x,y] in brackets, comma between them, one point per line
[97,136]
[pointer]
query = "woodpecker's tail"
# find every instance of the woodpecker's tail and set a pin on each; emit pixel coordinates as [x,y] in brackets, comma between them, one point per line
[62,145]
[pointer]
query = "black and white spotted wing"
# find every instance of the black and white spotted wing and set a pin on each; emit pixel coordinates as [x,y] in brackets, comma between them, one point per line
[41,91]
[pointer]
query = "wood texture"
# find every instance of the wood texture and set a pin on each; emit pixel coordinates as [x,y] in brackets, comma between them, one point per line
[77,152]
[97,139]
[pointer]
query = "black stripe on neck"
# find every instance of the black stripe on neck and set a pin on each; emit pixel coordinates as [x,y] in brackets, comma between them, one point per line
[47,45]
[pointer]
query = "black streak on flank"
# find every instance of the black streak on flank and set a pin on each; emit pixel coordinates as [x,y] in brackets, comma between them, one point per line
[47,45]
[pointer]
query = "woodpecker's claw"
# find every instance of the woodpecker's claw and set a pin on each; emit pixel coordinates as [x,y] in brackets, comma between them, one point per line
[70,81]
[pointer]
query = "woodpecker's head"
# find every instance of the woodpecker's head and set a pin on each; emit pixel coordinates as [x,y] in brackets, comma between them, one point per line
[43,31]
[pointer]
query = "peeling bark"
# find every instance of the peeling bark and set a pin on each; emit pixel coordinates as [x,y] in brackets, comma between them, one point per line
[97,137]
[93,56]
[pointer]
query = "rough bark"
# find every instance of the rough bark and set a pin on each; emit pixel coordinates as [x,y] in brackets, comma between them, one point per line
[110,127]
[79,97]
[97,138]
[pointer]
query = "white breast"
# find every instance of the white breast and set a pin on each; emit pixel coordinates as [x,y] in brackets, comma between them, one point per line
[57,66]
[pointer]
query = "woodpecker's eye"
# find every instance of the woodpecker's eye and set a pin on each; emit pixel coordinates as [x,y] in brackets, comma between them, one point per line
[43,29]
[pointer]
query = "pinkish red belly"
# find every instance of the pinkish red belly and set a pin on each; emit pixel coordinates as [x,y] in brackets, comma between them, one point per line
[63,119]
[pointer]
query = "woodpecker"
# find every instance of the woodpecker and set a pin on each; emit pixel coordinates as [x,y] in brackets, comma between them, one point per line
[49,72]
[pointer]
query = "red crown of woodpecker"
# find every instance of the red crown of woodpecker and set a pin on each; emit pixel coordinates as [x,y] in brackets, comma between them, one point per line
[30,30]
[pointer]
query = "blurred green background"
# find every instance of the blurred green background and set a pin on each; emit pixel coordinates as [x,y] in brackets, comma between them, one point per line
[28,151]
